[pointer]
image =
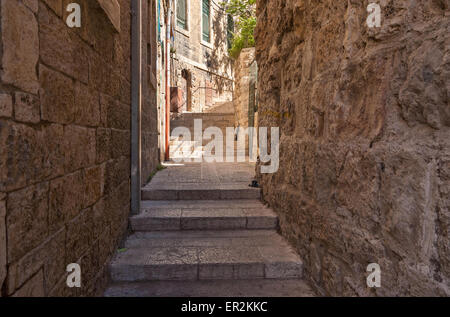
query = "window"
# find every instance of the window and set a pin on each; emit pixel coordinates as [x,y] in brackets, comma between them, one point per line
[182,14]
[206,22]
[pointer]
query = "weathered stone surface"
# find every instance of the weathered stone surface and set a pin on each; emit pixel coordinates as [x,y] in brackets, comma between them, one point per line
[215,288]
[60,48]
[57,96]
[102,76]
[103,146]
[40,151]
[87,106]
[32,288]
[27,108]
[47,256]
[32,5]
[204,218]
[112,10]
[27,220]
[205,256]
[242,80]
[115,114]
[93,185]
[75,139]
[66,199]
[6,106]
[116,172]
[79,236]
[120,143]
[20,43]
[54,145]
[119,216]
[3,261]
[55,5]
[363,117]
[203,181]
[168,219]
[106,241]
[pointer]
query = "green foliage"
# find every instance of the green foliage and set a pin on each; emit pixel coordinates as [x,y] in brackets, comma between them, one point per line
[244,14]
[158,168]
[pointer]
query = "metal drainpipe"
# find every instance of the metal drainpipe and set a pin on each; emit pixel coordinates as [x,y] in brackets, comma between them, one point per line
[136,102]
[167,84]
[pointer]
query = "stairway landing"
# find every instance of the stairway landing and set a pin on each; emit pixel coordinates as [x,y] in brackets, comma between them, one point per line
[203,231]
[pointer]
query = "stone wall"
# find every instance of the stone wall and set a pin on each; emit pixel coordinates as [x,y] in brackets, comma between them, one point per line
[242,86]
[64,145]
[365,140]
[149,116]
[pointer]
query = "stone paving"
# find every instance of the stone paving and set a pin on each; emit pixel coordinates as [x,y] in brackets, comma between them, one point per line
[204,215]
[203,231]
[212,174]
[198,181]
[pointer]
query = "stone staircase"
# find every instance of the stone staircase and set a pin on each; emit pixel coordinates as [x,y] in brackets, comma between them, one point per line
[220,120]
[222,107]
[203,232]
[192,149]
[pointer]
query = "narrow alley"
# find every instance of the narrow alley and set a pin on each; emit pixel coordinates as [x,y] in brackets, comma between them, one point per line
[235,148]
[204,232]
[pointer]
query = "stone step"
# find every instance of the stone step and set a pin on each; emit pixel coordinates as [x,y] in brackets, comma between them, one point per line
[185,149]
[205,121]
[205,255]
[216,288]
[210,118]
[199,191]
[203,238]
[198,216]
[223,124]
[200,115]
[223,129]
[179,145]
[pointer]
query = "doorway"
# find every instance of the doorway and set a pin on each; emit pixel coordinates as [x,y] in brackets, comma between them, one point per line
[187,88]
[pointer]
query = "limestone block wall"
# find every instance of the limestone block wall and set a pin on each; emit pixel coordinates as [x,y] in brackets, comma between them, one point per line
[242,86]
[64,145]
[365,142]
[150,152]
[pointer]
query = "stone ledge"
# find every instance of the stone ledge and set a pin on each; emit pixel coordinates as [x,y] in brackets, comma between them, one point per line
[112,10]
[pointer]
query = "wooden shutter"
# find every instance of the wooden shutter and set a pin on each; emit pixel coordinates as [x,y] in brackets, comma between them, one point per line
[206,12]
[182,14]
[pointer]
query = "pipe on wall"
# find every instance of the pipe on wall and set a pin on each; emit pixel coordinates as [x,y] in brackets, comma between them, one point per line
[167,80]
[136,104]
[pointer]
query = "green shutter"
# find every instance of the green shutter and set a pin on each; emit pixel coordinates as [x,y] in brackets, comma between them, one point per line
[206,11]
[230,31]
[181,14]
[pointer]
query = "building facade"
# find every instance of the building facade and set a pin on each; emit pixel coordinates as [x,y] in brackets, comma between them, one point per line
[201,69]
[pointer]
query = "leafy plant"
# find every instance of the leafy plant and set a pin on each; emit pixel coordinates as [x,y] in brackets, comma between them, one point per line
[244,14]
[158,168]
